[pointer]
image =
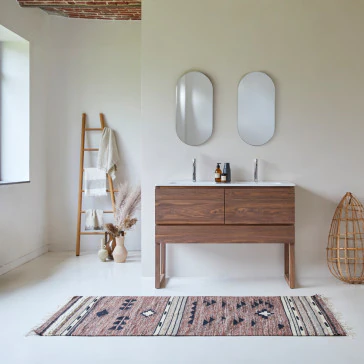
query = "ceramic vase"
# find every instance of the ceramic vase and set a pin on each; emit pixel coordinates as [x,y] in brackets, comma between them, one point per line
[102,253]
[120,253]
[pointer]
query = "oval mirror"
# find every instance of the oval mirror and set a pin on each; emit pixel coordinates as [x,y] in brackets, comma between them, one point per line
[256,108]
[194,108]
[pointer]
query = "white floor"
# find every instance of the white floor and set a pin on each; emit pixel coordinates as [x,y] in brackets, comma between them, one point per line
[31,292]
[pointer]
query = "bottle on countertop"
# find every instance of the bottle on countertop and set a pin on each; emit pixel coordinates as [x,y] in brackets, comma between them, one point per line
[218,173]
[227,172]
[223,178]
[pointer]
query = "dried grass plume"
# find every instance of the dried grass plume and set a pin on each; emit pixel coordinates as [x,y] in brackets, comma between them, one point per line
[127,202]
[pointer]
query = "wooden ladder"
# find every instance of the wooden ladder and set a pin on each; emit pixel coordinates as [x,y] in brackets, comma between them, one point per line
[80,185]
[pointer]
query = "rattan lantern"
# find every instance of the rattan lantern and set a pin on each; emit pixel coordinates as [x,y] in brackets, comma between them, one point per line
[345,248]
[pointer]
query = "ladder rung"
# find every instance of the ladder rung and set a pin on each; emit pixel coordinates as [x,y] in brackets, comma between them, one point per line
[92,233]
[91,149]
[94,129]
[105,212]
[106,191]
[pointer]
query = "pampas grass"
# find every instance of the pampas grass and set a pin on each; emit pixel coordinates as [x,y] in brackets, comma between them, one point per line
[111,229]
[127,201]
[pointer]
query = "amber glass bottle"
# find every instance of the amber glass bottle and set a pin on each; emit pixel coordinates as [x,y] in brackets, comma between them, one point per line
[218,173]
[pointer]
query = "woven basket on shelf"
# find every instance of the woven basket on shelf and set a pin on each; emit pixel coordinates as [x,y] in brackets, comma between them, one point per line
[345,248]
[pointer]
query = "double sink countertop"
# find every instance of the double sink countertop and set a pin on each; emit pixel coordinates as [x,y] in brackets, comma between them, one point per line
[231,184]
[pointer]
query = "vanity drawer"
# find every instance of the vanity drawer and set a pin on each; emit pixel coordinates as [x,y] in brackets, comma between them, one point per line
[260,205]
[179,205]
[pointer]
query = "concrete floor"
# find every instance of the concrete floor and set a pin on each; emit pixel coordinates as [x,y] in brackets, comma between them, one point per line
[31,292]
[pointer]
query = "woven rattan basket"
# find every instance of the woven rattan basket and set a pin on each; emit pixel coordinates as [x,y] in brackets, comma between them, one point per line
[345,248]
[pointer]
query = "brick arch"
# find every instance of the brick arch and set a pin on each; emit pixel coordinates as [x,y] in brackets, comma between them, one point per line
[89,9]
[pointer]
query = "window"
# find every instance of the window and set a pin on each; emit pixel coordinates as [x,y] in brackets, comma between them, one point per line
[14,107]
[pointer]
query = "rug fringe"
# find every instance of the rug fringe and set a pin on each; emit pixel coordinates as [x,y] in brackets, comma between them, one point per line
[46,318]
[339,316]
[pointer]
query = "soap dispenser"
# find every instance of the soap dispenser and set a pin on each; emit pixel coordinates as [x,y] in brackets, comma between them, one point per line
[218,173]
[227,172]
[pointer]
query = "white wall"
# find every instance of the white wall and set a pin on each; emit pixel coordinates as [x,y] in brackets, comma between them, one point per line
[76,66]
[23,206]
[14,111]
[95,67]
[314,52]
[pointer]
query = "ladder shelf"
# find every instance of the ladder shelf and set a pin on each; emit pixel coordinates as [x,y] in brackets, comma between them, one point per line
[81,191]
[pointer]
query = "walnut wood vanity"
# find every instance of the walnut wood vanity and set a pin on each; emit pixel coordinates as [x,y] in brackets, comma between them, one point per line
[236,213]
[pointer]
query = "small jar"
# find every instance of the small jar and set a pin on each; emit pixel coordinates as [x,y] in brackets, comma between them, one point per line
[223,178]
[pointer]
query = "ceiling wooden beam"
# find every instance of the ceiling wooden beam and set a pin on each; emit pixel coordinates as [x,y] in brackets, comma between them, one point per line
[91,9]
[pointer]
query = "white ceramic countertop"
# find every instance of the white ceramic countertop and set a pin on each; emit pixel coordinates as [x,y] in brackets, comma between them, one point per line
[231,184]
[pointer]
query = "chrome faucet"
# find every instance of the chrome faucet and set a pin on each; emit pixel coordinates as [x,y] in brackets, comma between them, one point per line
[194,170]
[256,170]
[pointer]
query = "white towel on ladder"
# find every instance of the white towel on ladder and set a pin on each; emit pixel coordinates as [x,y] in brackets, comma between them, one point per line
[94,220]
[94,182]
[108,156]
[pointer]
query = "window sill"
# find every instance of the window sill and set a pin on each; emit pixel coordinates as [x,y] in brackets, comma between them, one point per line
[2,183]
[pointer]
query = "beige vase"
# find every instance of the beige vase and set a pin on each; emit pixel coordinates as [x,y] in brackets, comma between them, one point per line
[120,253]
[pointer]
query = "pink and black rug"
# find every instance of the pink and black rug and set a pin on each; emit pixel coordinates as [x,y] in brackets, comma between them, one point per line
[193,316]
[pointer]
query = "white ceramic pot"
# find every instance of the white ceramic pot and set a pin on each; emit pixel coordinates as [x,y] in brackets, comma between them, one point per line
[102,253]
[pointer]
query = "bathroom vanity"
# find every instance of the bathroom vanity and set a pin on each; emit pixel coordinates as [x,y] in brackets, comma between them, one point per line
[206,212]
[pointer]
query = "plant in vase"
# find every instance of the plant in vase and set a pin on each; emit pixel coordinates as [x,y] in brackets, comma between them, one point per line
[126,203]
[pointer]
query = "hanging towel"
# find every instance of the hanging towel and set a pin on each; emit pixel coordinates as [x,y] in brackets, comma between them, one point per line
[94,182]
[108,156]
[94,220]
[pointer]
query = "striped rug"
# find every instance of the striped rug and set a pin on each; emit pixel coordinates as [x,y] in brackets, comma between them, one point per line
[193,316]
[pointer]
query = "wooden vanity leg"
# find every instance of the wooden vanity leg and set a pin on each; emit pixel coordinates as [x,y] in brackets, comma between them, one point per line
[286,260]
[163,263]
[160,264]
[157,265]
[292,274]
[289,264]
